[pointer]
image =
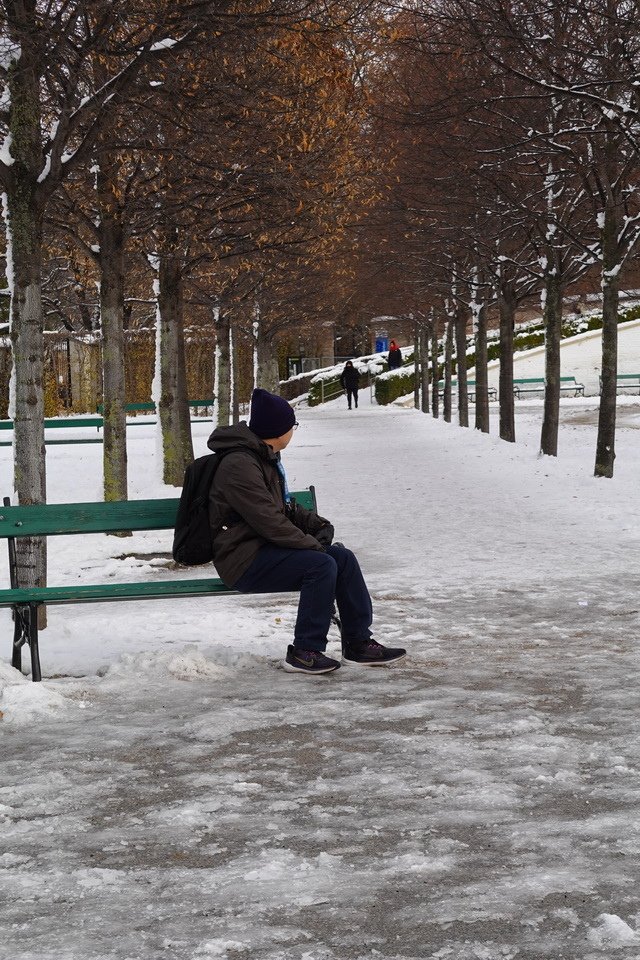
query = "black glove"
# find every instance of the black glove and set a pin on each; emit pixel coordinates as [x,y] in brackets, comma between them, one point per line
[324,536]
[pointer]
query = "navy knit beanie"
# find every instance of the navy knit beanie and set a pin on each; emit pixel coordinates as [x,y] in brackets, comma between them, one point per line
[271,416]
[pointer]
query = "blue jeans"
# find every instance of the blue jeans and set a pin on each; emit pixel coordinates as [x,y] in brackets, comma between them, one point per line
[322,579]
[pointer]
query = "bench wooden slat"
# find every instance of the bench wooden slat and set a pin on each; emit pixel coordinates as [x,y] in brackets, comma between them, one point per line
[66,423]
[535,383]
[93,593]
[150,405]
[62,519]
[51,519]
[52,443]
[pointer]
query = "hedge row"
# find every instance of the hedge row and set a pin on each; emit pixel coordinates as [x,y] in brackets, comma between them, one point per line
[388,389]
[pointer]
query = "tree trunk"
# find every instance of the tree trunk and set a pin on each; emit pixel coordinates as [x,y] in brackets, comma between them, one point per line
[111,257]
[416,366]
[507,305]
[461,366]
[482,376]
[235,373]
[435,374]
[552,316]
[267,373]
[448,361]
[24,225]
[424,367]
[222,406]
[25,241]
[173,406]
[605,445]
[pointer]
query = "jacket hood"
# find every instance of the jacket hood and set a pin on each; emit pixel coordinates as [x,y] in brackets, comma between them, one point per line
[238,437]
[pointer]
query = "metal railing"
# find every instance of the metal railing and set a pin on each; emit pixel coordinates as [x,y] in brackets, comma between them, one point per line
[329,390]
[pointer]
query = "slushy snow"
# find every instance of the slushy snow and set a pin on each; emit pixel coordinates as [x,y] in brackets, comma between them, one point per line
[169,793]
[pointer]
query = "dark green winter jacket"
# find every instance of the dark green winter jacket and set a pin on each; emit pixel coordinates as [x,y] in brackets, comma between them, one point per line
[246,504]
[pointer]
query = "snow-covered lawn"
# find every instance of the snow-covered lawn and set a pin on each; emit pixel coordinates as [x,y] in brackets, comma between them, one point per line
[169,792]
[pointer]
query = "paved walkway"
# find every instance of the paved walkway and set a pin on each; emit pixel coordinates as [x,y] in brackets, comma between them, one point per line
[478,803]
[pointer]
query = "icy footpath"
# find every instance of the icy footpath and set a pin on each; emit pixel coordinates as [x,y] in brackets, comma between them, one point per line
[182,797]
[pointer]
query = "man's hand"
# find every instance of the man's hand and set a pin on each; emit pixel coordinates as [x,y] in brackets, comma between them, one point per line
[324,536]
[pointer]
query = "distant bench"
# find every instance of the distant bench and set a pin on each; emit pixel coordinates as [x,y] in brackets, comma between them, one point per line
[97,421]
[148,406]
[525,385]
[491,391]
[66,423]
[68,519]
[626,381]
[570,383]
[528,385]
[538,384]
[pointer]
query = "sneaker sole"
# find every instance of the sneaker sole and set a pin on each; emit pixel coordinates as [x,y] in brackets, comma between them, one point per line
[373,663]
[288,668]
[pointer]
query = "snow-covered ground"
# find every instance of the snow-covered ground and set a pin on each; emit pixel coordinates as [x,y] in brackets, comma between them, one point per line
[169,792]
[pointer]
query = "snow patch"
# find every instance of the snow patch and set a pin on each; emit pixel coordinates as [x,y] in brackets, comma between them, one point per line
[612,932]
[221,948]
[189,664]
[5,151]
[10,52]
[22,700]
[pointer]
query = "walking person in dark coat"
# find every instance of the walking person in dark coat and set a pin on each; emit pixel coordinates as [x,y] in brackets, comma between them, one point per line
[263,542]
[350,381]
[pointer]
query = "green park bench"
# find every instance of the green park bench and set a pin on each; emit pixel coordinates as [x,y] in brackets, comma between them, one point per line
[570,383]
[538,384]
[148,406]
[91,420]
[65,423]
[626,381]
[491,391]
[69,519]
[51,423]
[528,385]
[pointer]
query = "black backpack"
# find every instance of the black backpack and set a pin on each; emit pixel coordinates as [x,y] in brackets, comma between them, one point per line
[192,537]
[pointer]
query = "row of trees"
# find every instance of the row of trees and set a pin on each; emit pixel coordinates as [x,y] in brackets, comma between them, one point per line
[516,157]
[234,160]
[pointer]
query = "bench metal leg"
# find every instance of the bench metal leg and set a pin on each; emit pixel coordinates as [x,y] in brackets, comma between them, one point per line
[26,631]
[16,657]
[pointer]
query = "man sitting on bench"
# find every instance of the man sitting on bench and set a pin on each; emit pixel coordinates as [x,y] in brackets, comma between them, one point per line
[263,542]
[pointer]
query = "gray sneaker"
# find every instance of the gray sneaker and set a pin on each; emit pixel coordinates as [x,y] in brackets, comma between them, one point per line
[308,661]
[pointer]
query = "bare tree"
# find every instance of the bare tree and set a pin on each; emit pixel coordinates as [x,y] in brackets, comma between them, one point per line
[584,56]
[52,117]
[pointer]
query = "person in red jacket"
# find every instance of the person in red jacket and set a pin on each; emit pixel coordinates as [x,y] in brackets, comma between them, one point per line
[263,542]
[394,358]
